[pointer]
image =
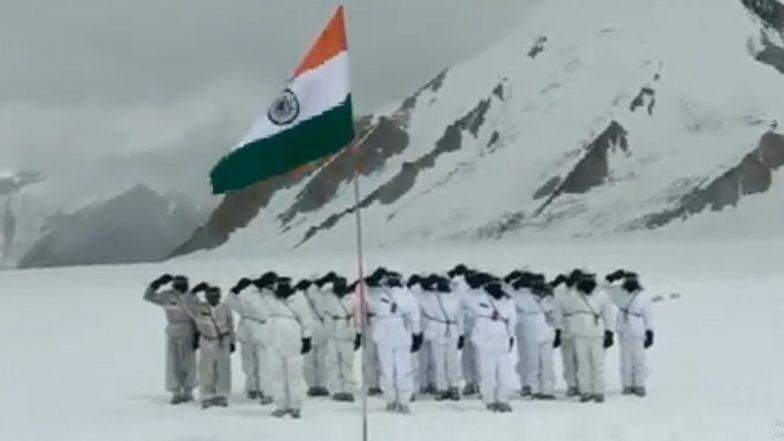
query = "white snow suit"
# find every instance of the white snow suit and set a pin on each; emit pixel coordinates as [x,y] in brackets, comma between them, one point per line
[442,323]
[396,317]
[535,336]
[495,323]
[424,367]
[470,355]
[290,321]
[180,356]
[588,317]
[568,353]
[339,325]
[216,326]
[634,317]
[251,306]
[316,359]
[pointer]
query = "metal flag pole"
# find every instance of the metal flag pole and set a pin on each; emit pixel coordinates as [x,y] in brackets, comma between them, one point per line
[363,308]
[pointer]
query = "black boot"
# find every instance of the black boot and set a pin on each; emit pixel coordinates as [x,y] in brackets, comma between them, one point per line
[454,394]
[442,395]
[374,391]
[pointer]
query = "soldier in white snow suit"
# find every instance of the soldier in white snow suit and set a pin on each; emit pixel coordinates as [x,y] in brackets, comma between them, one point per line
[564,339]
[424,368]
[442,317]
[536,334]
[216,326]
[397,334]
[588,312]
[525,331]
[493,336]
[180,337]
[634,326]
[468,292]
[339,310]
[290,335]
[315,360]
[252,305]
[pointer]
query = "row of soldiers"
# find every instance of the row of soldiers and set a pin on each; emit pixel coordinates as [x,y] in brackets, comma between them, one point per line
[431,334]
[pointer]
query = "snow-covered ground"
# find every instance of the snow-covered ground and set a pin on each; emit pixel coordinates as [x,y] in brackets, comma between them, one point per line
[82,354]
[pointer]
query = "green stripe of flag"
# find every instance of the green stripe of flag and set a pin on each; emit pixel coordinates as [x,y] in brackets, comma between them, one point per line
[283,152]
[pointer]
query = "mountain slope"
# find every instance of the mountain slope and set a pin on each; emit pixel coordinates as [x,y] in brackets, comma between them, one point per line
[641,115]
[628,119]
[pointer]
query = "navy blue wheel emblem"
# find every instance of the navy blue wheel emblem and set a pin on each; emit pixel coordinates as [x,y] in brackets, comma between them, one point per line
[285,109]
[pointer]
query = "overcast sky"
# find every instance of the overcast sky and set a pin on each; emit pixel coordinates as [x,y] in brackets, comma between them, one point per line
[85,77]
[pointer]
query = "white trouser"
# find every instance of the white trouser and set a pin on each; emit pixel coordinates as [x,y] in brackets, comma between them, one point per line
[214,369]
[251,353]
[372,370]
[470,361]
[397,373]
[590,364]
[526,347]
[287,379]
[496,375]
[446,359]
[633,369]
[340,362]
[426,375]
[541,375]
[569,358]
[316,365]
[180,364]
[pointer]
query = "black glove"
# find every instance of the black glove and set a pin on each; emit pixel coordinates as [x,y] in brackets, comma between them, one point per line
[511,343]
[608,339]
[196,339]
[648,339]
[306,346]
[357,342]
[416,343]
[615,275]
[241,284]
[559,280]
[200,287]
[162,280]
[460,342]
[557,340]
[232,347]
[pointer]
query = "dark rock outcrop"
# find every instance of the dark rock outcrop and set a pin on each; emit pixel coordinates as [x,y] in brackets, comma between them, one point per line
[646,95]
[754,174]
[771,12]
[593,168]
[538,47]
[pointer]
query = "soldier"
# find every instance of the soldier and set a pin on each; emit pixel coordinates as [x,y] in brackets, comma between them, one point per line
[291,326]
[216,325]
[397,334]
[181,337]
[493,336]
[316,359]
[634,324]
[343,340]
[588,312]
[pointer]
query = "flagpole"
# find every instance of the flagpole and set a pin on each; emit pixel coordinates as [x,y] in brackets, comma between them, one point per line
[363,309]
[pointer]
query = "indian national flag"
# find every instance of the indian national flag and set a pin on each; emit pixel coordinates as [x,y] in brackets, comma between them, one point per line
[310,119]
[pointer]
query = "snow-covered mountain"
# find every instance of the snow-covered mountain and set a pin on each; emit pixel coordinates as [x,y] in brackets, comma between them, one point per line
[129,207]
[594,118]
